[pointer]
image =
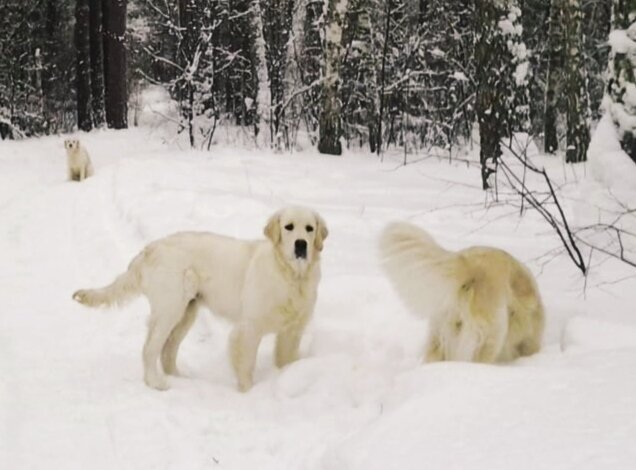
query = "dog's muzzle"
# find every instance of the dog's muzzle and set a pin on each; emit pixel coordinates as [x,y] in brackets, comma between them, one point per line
[300,249]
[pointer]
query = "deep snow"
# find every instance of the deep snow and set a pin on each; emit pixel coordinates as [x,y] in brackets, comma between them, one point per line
[71,393]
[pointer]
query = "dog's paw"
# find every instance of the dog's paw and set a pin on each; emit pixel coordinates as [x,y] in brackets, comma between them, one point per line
[160,384]
[81,296]
[245,386]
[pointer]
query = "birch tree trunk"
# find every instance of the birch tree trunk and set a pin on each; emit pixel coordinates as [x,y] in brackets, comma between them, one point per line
[262,92]
[330,125]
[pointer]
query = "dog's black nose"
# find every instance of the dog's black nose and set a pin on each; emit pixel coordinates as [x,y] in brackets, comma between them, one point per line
[300,248]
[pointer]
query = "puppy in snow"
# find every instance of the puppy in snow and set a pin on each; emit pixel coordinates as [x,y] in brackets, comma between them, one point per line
[262,286]
[483,304]
[77,159]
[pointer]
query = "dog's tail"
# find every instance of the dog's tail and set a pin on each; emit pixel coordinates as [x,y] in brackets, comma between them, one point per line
[123,289]
[426,276]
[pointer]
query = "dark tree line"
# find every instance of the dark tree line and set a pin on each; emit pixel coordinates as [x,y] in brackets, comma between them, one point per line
[415,74]
[52,66]
[101,74]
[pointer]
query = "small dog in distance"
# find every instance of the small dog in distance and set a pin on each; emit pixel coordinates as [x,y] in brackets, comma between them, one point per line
[78,161]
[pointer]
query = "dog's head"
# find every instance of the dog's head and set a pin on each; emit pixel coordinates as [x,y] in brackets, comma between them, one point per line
[71,144]
[298,233]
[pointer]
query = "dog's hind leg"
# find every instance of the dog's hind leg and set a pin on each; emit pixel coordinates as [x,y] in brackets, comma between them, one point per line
[434,351]
[164,316]
[171,348]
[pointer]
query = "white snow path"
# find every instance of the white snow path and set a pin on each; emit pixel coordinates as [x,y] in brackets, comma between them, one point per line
[71,394]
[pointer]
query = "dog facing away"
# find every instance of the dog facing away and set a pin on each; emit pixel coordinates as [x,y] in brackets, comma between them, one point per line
[483,304]
[261,286]
[77,160]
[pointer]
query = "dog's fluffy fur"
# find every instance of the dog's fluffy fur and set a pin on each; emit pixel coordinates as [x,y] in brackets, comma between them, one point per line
[483,304]
[264,286]
[78,162]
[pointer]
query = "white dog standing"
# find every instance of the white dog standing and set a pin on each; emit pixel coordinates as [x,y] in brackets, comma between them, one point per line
[77,159]
[482,303]
[263,286]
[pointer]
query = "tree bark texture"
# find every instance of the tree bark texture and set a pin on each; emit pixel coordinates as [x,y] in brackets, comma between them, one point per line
[97,62]
[83,78]
[554,78]
[578,133]
[621,74]
[115,66]
[489,54]
[277,26]
[330,124]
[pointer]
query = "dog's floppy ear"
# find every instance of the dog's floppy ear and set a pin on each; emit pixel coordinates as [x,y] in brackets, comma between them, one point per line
[321,231]
[272,229]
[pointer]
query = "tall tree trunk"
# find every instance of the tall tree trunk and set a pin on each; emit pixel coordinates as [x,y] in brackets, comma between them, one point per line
[97,62]
[82,81]
[489,115]
[187,48]
[501,62]
[578,133]
[277,27]
[622,76]
[330,125]
[262,96]
[310,62]
[49,71]
[554,78]
[385,48]
[114,24]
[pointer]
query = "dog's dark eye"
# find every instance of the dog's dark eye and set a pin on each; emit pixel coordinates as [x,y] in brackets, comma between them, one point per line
[289,227]
[309,228]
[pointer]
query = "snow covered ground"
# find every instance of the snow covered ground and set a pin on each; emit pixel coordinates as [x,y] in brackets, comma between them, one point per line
[71,392]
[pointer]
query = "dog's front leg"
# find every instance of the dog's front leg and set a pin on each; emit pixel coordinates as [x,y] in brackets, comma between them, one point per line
[287,344]
[82,173]
[244,342]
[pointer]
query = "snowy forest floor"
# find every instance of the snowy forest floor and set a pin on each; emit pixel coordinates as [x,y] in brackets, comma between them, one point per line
[71,389]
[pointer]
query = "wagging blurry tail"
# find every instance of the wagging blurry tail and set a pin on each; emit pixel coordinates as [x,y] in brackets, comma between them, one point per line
[421,271]
[482,303]
[123,289]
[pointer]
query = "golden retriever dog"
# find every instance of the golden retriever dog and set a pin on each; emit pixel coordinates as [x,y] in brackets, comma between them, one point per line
[78,162]
[483,304]
[261,286]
